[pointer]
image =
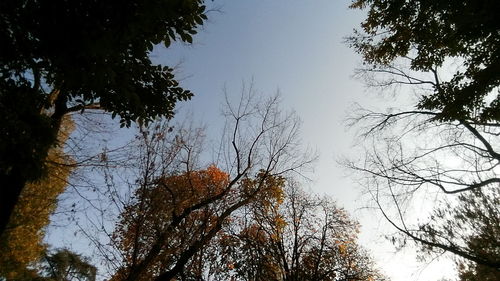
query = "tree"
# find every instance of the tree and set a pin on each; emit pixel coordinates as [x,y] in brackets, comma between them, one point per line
[295,236]
[167,208]
[446,143]
[429,34]
[179,203]
[64,265]
[177,218]
[472,226]
[468,227]
[405,171]
[22,242]
[58,57]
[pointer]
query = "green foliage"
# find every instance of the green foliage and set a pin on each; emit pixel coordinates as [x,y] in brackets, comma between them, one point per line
[63,56]
[97,51]
[64,265]
[431,32]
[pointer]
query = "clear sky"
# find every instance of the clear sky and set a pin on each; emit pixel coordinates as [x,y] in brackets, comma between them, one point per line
[296,47]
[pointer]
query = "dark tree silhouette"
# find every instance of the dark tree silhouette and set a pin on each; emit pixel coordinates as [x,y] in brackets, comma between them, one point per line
[22,241]
[65,56]
[445,144]
[64,265]
[429,33]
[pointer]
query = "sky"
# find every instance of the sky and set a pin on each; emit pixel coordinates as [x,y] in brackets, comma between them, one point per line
[294,47]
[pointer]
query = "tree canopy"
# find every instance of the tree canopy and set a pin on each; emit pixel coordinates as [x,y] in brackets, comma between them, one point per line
[262,229]
[62,56]
[430,33]
[296,236]
[444,143]
[171,222]
[65,265]
[95,52]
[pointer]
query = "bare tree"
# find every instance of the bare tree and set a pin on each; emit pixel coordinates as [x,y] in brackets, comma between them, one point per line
[296,236]
[413,156]
[443,147]
[176,201]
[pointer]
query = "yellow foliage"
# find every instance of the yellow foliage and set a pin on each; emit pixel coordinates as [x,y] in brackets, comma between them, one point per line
[21,243]
[189,188]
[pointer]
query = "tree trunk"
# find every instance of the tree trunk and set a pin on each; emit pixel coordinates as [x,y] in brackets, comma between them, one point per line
[9,194]
[27,136]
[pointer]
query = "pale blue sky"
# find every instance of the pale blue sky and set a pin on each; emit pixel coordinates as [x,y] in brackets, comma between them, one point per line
[296,47]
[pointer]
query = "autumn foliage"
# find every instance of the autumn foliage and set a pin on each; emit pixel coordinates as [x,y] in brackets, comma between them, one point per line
[22,242]
[166,218]
[298,237]
[173,220]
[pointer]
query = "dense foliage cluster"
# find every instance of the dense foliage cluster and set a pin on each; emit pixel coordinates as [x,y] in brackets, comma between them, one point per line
[62,56]
[283,233]
[165,219]
[430,33]
[177,217]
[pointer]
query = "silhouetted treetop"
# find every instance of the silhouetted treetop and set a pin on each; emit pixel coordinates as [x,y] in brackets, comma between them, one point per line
[97,51]
[63,56]
[65,265]
[430,32]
